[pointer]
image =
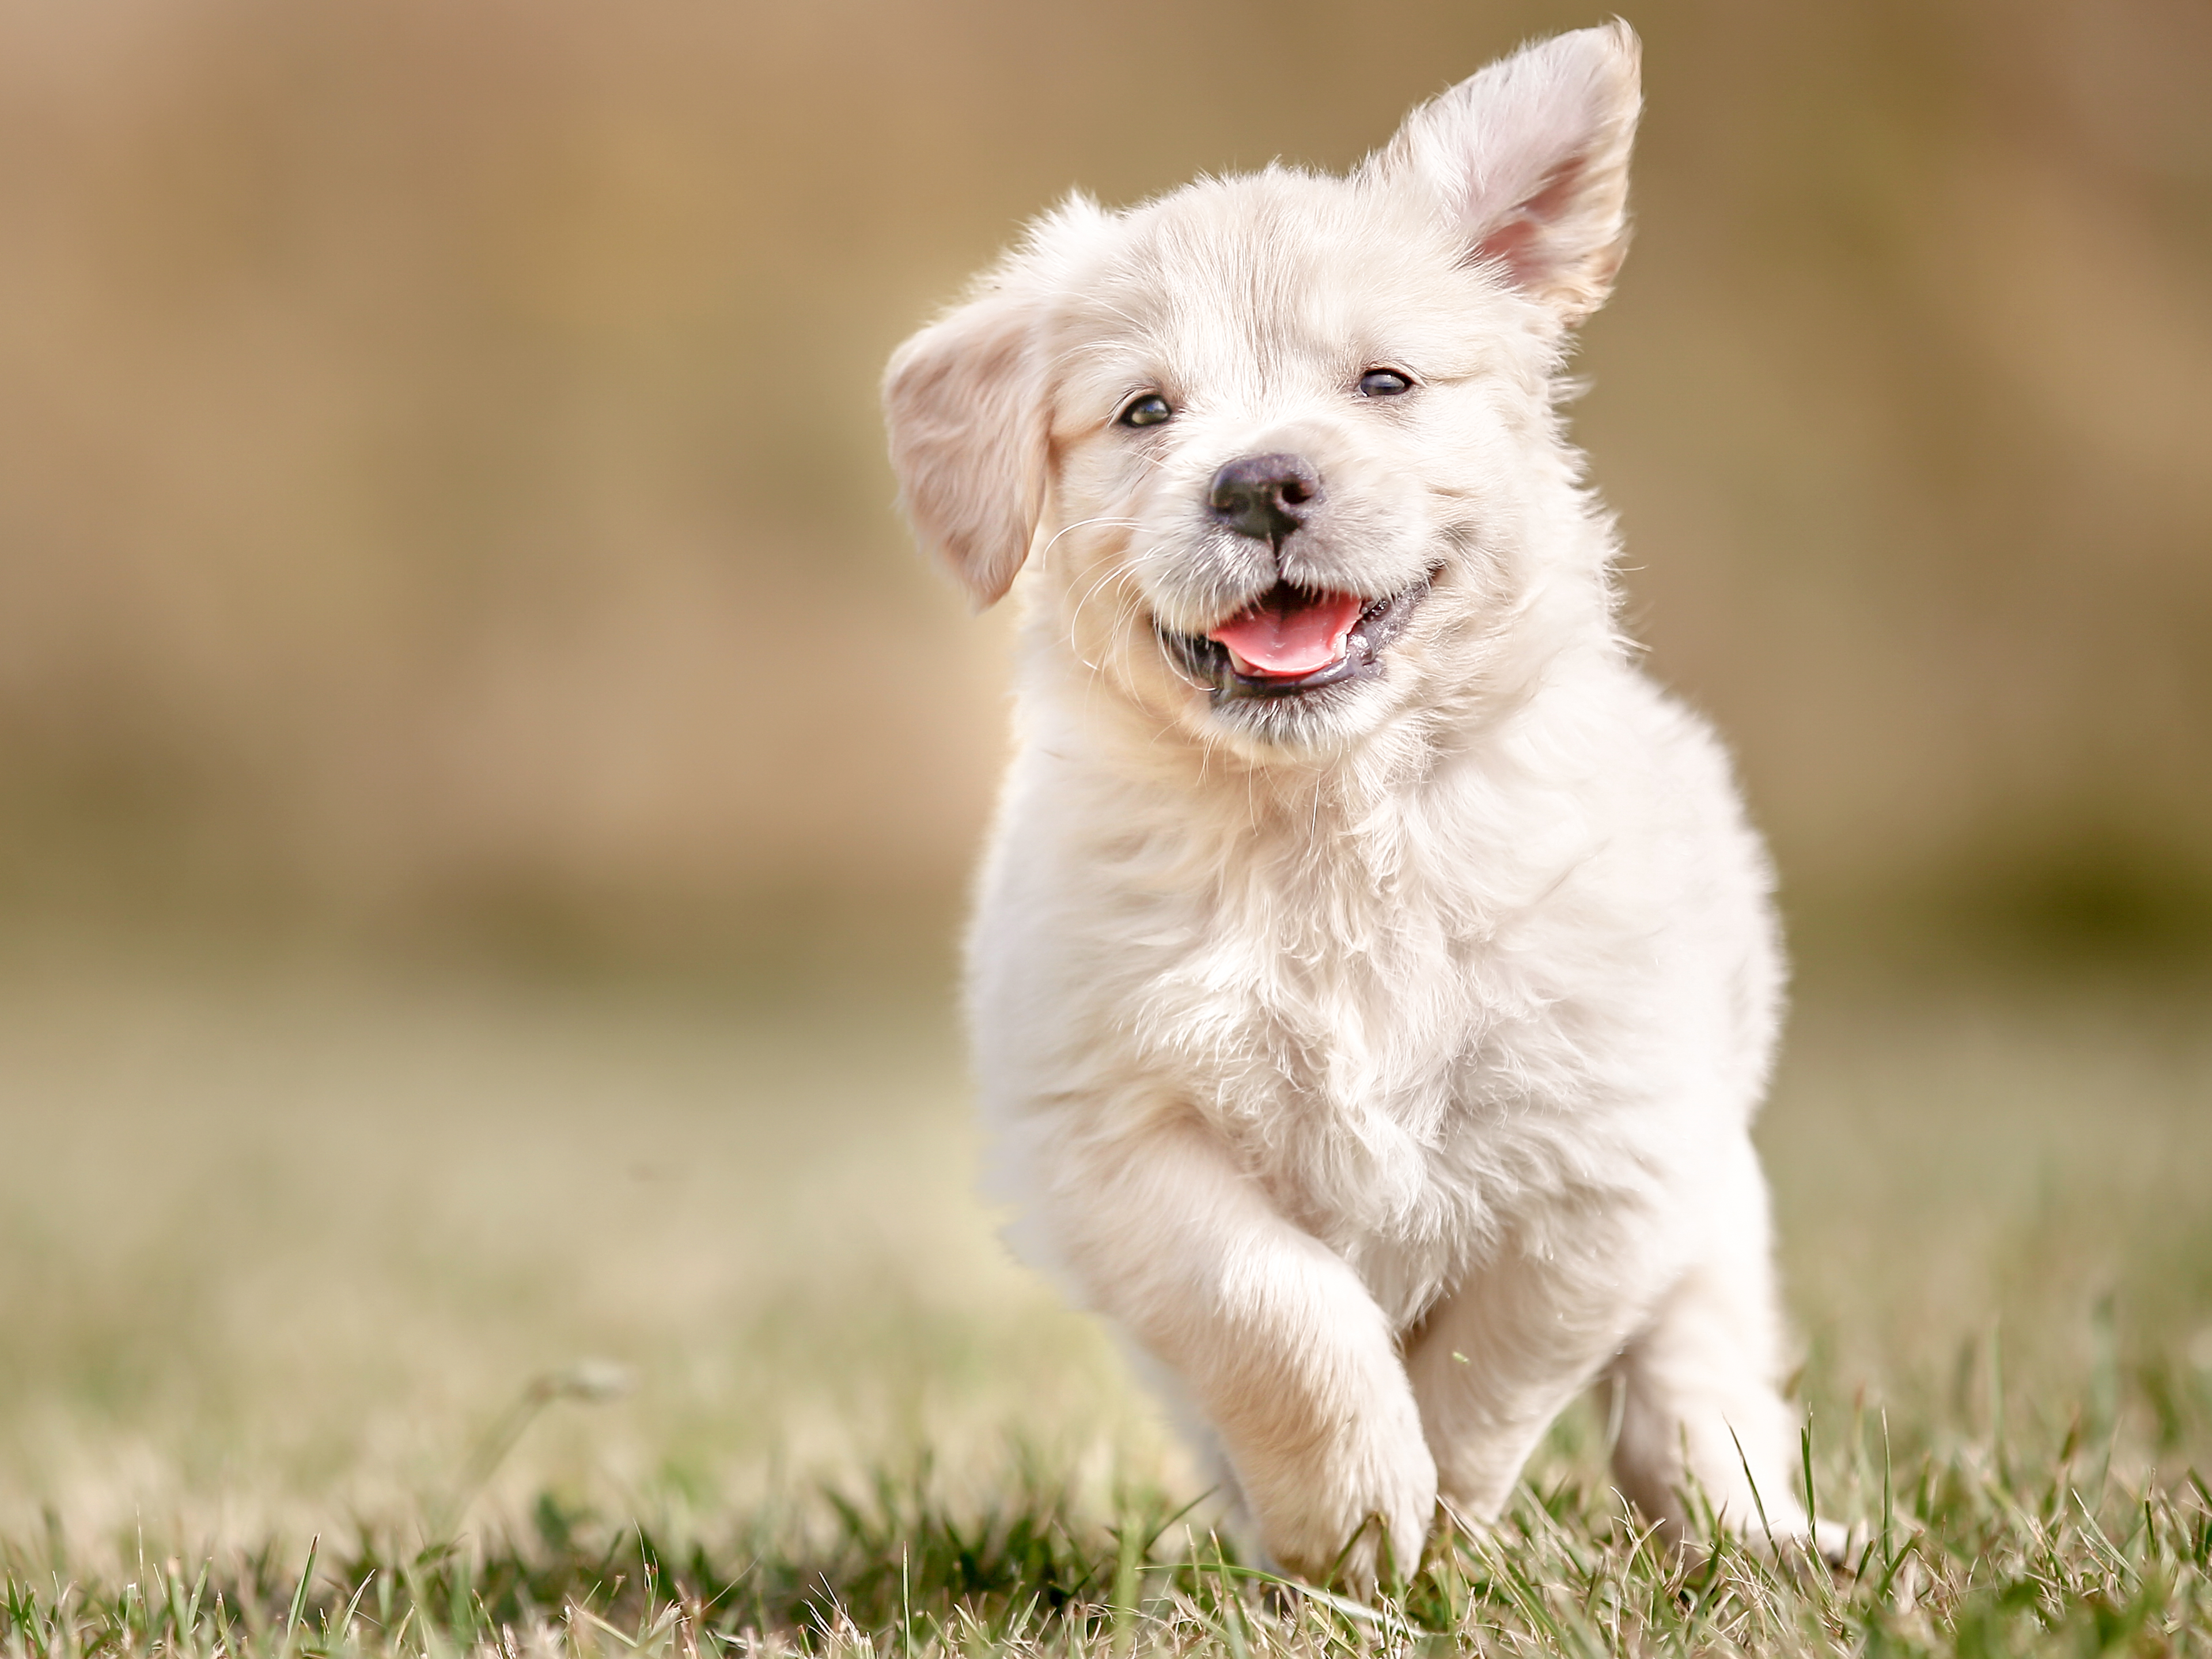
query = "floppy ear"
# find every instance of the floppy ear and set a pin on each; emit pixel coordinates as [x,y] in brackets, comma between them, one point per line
[964,401]
[1530,160]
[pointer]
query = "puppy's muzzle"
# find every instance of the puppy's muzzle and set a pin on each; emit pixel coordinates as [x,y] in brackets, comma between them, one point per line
[1266,497]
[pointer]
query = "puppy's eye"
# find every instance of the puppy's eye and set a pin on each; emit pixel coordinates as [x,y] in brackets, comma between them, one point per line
[1148,411]
[1384,383]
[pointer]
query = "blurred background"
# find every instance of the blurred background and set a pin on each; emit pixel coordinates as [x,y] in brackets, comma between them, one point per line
[472,729]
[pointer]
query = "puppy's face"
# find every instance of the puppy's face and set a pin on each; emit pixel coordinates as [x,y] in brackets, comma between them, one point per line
[1281,448]
[1289,431]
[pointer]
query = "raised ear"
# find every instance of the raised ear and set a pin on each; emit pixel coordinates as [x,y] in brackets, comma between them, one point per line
[964,400]
[1530,160]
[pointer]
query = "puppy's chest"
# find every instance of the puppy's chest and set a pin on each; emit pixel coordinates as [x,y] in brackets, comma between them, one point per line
[1392,1083]
[1344,1040]
[1266,1017]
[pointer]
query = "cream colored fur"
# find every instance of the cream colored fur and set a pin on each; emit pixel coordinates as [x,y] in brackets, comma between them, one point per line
[1382,1062]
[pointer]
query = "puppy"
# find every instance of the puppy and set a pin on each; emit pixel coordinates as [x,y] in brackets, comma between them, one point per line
[1373,976]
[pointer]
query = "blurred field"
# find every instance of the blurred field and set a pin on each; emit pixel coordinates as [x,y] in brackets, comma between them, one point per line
[279,1246]
[282,1240]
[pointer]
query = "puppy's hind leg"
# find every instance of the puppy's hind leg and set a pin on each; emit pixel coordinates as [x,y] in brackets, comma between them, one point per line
[1498,1360]
[1700,1406]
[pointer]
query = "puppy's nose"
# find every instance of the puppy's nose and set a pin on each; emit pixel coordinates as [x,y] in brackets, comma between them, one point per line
[1265,496]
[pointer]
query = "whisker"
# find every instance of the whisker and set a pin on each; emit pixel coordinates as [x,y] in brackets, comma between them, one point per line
[1115,573]
[1086,524]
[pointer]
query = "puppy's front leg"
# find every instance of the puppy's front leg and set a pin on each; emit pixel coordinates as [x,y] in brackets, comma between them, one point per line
[1273,1336]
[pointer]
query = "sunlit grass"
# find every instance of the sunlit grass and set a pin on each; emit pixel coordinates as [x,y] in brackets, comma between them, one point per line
[345,1311]
[1959,1559]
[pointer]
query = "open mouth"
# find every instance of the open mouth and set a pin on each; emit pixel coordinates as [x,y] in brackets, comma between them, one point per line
[1291,639]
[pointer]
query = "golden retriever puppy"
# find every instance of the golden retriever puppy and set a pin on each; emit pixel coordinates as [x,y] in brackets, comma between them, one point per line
[1373,977]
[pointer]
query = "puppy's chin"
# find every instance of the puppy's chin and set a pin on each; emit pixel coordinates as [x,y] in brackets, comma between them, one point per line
[1320,724]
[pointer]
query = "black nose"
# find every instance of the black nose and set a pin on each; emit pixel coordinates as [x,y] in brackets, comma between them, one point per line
[1265,496]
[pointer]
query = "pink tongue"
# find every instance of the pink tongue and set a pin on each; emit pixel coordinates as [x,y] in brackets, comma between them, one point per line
[1297,637]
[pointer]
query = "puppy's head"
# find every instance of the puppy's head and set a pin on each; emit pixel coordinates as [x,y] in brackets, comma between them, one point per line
[1282,448]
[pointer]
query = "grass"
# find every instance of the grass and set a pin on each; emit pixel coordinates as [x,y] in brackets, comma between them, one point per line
[1959,1558]
[354,1312]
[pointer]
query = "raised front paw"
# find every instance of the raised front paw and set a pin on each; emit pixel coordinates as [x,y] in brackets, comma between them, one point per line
[1355,1518]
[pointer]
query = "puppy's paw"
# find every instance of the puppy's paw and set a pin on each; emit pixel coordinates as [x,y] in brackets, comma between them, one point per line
[1792,1543]
[1358,1521]
[1836,1544]
[1848,1548]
